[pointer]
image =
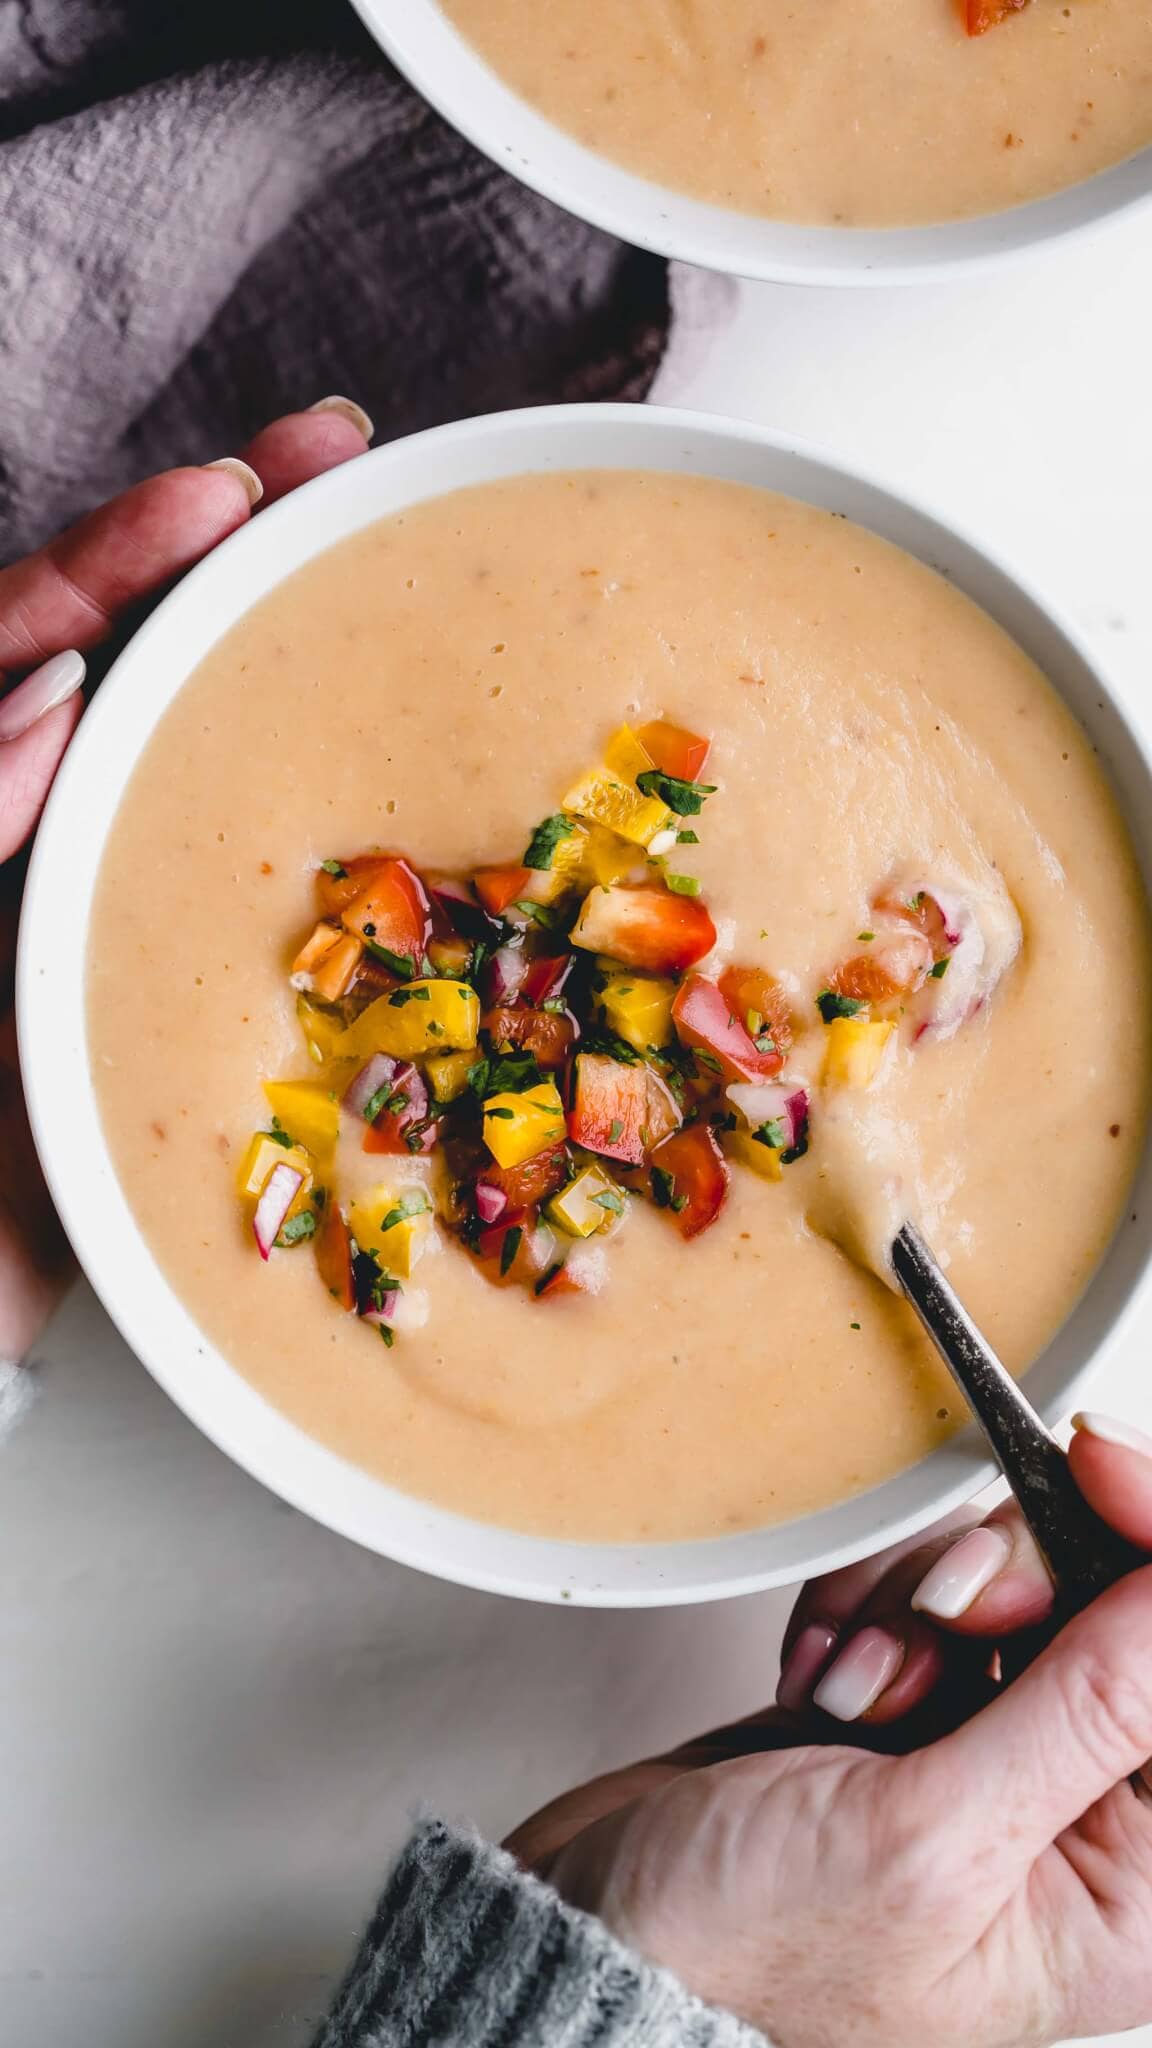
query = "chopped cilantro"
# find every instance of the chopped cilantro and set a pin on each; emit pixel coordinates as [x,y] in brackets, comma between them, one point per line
[556,1004]
[298,1228]
[507,1073]
[388,1337]
[399,963]
[510,1247]
[865,936]
[415,1204]
[853,1326]
[400,996]
[831,1005]
[764,1042]
[336,869]
[685,798]
[540,913]
[938,972]
[611,1200]
[688,837]
[278,1134]
[683,885]
[615,1131]
[915,903]
[386,1097]
[319,1197]
[509,1113]
[547,1278]
[707,1059]
[414,1135]
[597,1040]
[663,1187]
[546,838]
[771,1134]
[435,1030]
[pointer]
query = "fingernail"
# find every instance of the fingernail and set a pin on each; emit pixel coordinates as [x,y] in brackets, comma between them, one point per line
[960,1576]
[1109,1431]
[47,686]
[243,475]
[348,410]
[860,1674]
[807,1658]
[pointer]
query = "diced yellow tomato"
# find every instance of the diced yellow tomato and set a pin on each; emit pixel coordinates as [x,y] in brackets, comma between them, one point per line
[379,1223]
[262,1155]
[518,1126]
[607,857]
[579,1209]
[450,957]
[321,1028]
[674,749]
[639,1011]
[853,1050]
[607,794]
[449,1074]
[309,1111]
[327,961]
[421,1017]
[748,1151]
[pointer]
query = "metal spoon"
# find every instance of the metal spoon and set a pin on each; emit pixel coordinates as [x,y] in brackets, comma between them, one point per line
[1082,1553]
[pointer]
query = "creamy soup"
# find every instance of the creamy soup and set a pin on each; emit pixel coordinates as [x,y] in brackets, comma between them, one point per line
[433,686]
[862,112]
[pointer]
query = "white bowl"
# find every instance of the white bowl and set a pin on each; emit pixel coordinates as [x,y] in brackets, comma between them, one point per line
[452,75]
[51,975]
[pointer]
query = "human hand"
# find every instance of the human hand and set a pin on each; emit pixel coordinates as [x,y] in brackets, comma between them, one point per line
[69,596]
[991,1889]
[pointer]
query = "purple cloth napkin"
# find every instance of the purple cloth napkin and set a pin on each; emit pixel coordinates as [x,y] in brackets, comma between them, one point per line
[212,214]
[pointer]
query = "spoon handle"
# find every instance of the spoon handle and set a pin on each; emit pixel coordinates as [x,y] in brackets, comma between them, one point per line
[1081,1552]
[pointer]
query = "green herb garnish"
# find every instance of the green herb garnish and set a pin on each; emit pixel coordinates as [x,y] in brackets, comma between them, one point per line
[509,1113]
[865,936]
[386,1097]
[615,1131]
[688,837]
[938,972]
[540,913]
[771,1134]
[278,1134]
[416,1204]
[546,838]
[685,798]
[547,1278]
[400,996]
[398,963]
[508,1073]
[831,1005]
[388,1337]
[682,885]
[336,869]
[611,1200]
[510,1247]
[707,1059]
[298,1228]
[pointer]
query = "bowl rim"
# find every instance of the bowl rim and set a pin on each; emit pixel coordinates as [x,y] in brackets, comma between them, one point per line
[51,966]
[458,82]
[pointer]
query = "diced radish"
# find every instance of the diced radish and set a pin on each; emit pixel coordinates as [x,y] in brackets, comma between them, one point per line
[490,1202]
[334,1257]
[645,927]
[276,1198]
[609,1111]
[530,1183]
[981,933]
[780,1102]
[504,976]
[690,1178]
[705,1021]
[545,977]
[368,1082]
[547,1034]
[893,967]
[394,1130]
[391,911]
[673,749]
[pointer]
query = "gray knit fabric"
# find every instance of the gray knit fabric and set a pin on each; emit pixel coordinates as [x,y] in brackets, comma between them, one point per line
[466,1951]
[211,214]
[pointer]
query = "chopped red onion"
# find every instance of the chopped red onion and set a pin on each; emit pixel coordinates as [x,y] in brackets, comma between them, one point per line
[983,935]
[504,977]
[764,1102]
[490,1202]
[277,1196]
[461,909]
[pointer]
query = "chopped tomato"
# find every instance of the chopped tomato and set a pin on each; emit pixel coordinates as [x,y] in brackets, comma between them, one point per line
[558,1280]
[533,1180]
[391,910]
[335,892]
[373,979]
[704,1020]
[334,1257]
[390,1134]
[450,956]
[518,1249]
[921,911]
[609,1111]
[545,976]
[327,962]
[547,1034]
[894,967]
[498,887]
[664,1114]
[984,14]
[752,993]
[645,927]
[673,749]
[697,1182]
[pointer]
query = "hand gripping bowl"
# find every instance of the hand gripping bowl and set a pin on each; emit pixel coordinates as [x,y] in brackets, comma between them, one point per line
[51,1008]
[455,79]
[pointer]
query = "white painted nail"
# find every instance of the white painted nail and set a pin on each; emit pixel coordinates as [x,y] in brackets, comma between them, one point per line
[348,410]
[1110,1431]
[962,1574]
[860,1674]
[47,686]
[243,474]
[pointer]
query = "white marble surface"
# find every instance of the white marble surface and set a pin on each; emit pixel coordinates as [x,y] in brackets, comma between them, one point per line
[215,1718]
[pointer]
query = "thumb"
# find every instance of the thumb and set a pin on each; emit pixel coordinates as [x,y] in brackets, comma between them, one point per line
[1073,1726]
[27,767]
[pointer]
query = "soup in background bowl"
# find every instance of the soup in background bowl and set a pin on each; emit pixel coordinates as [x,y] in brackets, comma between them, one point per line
[851,143]
[422,653]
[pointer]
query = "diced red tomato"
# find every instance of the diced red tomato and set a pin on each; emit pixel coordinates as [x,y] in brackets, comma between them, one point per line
[984,14]
[390,1134]
[334,1257]
[664,1113]
[609,1111]
[534,1249]
[753,992]
[558,1280]
[498,887]
[373,979]
[547,1034]
[699,1178]
[894,967]
[391,910]
[335,892]
[545,976]
[328,962]
[533,1180]
[921,911]
[704,1020]
[674,750]
[645,927]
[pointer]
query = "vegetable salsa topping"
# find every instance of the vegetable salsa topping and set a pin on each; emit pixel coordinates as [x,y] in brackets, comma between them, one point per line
[540,1044]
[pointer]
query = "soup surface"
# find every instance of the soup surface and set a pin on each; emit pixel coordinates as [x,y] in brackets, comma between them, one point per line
[868,113]
[431,685]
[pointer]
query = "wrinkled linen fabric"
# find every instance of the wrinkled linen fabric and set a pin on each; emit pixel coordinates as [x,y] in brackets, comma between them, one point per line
[210,215]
